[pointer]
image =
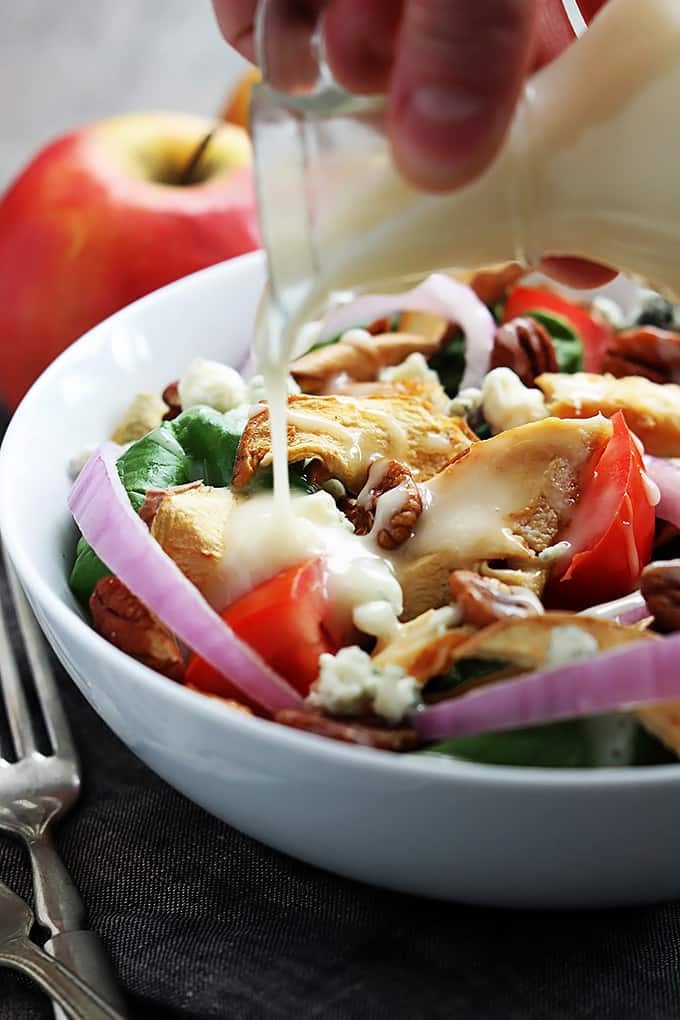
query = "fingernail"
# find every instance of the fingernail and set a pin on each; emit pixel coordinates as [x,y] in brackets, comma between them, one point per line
[438,132]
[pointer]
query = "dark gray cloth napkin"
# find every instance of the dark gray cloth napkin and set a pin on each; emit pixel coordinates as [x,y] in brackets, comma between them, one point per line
[202,922]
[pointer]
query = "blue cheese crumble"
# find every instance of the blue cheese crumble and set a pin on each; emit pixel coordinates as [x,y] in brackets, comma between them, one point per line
[350,684]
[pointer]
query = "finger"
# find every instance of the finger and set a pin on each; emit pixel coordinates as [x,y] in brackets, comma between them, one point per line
[577,272]
[459,69]
[360,38]
[236,19]
[288,54]
[553,32]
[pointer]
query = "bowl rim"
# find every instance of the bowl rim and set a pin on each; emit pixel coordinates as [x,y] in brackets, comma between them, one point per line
[435,768]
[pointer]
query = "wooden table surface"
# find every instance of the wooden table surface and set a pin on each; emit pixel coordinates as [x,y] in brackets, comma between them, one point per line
[68,62]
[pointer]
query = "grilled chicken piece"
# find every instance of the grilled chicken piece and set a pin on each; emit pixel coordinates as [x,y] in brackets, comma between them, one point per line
[497,508]
[346,434]
[145,413]
[521,645]
[315,371]
[423,647]
[191,526]
[651,410]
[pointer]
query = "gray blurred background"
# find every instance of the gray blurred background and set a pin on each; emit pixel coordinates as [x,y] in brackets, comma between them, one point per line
[64,63]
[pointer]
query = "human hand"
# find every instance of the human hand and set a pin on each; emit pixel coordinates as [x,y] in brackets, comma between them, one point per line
[452,70]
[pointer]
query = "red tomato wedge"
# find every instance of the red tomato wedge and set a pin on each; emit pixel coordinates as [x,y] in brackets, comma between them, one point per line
[595,334]
[612,531]
[282,620]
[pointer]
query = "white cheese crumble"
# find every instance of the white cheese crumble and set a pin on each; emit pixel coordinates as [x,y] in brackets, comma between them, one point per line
[413,369]
[507,402]
[464,402]
[257,392]
[209,382]
[569,644]
[350,684]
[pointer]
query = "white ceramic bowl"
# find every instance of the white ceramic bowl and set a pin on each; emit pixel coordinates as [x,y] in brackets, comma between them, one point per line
[467,832]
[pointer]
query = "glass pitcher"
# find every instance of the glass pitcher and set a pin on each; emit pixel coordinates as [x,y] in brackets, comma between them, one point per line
[589,168]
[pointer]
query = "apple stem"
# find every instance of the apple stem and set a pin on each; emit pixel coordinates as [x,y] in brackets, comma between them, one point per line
[186,177]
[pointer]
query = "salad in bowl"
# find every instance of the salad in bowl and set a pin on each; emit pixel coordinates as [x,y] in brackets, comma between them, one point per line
[477,555]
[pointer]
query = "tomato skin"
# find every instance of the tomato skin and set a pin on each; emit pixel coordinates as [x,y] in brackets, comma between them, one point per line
[611,532]
[595,334]
[282,620]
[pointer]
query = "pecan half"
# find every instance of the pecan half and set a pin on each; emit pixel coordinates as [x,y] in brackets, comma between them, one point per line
[660,586]
[397,517]
[358,515]
[349,732]
[646,351]
[484,600]
[525,346]
[126,622]
[171,398]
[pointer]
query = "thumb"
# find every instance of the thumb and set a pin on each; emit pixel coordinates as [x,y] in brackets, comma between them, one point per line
[459,68]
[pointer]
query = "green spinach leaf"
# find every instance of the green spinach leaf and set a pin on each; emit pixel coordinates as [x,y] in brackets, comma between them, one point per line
[208,445]
[599,742]
[463,672]
[156,461]
[449,364]
[87,570]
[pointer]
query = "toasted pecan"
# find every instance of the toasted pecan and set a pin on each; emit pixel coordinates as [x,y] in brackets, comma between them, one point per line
[645,351]
[122,619]
[484,600]
[171,398]
[403,513]
[524,346]
[382,739]
[660,586]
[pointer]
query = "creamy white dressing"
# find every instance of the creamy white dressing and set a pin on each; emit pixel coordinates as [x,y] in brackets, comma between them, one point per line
[652,490]
[261,542]
[388,505]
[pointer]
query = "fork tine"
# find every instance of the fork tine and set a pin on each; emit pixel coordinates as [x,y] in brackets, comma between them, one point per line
[18,715]
[56,723]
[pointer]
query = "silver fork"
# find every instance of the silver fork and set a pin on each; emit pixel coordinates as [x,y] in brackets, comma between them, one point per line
[34,791]
[78,1000]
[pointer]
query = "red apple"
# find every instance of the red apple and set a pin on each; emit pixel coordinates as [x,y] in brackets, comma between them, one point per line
[99,218]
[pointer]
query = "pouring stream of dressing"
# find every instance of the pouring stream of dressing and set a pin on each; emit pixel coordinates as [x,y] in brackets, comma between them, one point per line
[272,355]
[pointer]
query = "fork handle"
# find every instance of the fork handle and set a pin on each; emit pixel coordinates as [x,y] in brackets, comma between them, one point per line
[83,953]
[58,908]
[73,996]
